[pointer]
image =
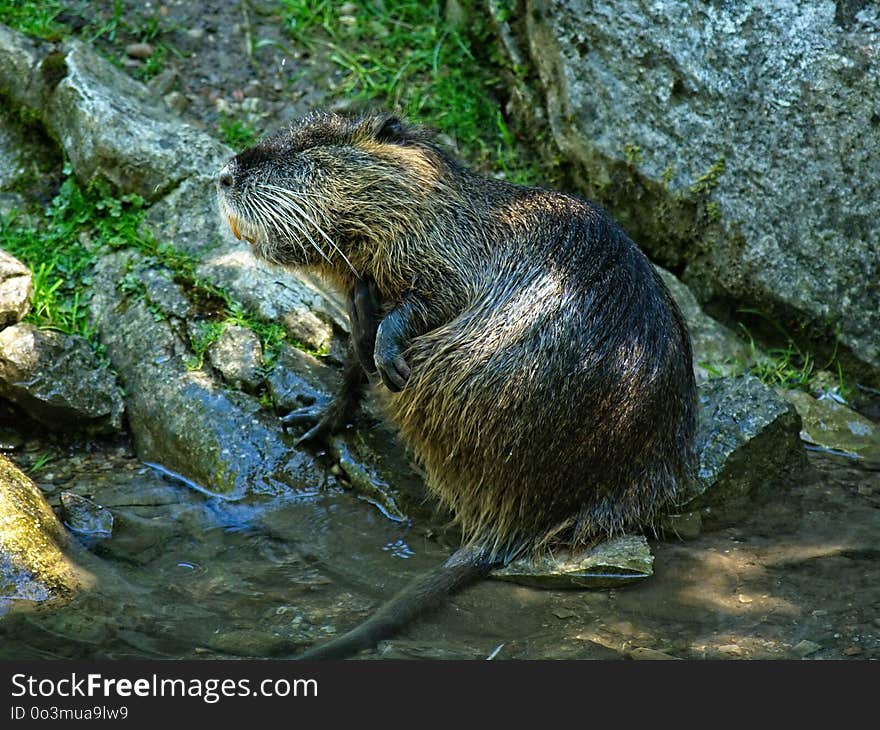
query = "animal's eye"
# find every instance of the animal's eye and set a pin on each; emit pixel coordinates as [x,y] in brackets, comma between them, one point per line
[392,130]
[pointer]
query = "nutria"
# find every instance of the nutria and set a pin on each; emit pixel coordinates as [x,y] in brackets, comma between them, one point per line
[532,360]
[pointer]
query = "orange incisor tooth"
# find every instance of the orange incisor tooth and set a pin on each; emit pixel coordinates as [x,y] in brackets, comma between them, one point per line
[233,225]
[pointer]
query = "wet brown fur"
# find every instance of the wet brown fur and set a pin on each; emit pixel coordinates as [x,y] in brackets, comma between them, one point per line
[552,395]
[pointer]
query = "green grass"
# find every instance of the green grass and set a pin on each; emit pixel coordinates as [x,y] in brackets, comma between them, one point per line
[237,134]
[101,21]
[405,56]
[59,245]
[37,18]
[794,368]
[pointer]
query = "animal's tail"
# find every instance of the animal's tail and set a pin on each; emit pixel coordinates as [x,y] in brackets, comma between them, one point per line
[465,566]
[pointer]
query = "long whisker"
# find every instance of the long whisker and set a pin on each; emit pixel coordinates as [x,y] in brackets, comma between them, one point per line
[289,197]
[291,222]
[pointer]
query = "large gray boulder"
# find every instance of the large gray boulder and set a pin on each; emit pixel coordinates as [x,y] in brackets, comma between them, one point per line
[736,142]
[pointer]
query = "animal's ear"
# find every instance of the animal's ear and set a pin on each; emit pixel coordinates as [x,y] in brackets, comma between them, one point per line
[391,130]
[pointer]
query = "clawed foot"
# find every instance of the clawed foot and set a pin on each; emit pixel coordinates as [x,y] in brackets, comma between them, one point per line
[323,420]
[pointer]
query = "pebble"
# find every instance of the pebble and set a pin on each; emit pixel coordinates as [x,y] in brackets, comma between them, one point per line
[564,613]
[733,649]
[139,50]
[196,33]
[646,653]
[176,101]
[853,651]
[805,648]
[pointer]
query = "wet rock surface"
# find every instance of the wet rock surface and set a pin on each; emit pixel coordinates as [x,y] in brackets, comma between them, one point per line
[219,439]
[34,564]
[609,564]
[16,290]
[710,130]
[238,357]
[86,518]
[58,380]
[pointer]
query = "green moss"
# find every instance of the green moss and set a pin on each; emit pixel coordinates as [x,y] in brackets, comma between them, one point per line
[708,181]
[633,154]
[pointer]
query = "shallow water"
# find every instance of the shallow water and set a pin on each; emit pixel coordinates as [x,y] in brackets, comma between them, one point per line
[188,576]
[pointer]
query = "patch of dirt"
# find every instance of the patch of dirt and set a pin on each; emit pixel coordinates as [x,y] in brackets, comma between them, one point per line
[233,60]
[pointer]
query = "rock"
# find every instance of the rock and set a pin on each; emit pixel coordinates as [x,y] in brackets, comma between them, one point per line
[829,425]
[86,518]
[34,564]
[20,58]
[609,564]
[23,154]
[57,380]
[298,379]
[250,643]
[110,126]
[748,447]
[16,290]
[717,349]
[189,217]
[805,648]
[238,357]
[139,50]
[644,652]
[690,122]
[220,440]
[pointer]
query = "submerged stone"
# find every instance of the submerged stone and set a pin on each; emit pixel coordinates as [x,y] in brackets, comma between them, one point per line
[85,517]
[609,564]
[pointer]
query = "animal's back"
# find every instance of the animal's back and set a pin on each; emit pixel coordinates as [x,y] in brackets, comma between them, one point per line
[559,404]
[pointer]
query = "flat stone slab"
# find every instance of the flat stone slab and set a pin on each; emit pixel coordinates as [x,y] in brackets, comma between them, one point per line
[612,563]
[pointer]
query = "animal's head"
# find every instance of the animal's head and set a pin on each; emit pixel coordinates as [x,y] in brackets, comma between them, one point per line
[329,189]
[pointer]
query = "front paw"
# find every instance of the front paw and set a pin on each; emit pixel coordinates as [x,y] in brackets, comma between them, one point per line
[390,362]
